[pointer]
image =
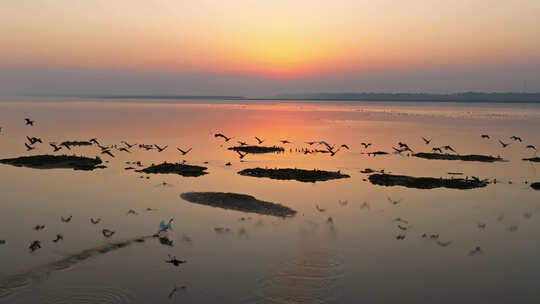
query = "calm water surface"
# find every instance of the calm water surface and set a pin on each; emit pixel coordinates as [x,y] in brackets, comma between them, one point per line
[264,259]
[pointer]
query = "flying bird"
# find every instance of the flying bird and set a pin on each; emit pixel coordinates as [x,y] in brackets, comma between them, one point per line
[503,144]
[531,147]
[28,147]
[95,221]
[260,141]
[436,150]
[449,148]
[184,152]
[35,245]
[241,155]
[124,149]
[366,145]
[55,147]
[344,146]
[127,144]
[223,136]
[173,260]
[427,141]
[108,152]
[29,122]
[484,136]
[66,219]
[393,202]
[107,233]
[59,237]
[516,138]
[159,148]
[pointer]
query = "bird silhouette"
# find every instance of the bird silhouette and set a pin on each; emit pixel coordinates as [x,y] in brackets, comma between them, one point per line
[223,136]
[55,147]
[66,219]
[39,227]
[531,147]
[484,136]
[65,144]
[173,260]
[344,146]
[108,152]
[516,138]
[124,150]
[366,145]
[29,122]
[159,148]
[184,152]
[95,221]
[503,144]
[127,144]
[436,150]
[107,233]
[449,148]
[28,147]
[59,237]
[427,141]
[241,155]
[394,202]
[35,245]
[260,141]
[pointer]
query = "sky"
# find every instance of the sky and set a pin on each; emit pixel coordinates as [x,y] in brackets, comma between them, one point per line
[261,48]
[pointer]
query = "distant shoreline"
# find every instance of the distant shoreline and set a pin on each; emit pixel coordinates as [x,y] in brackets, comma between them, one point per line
[465,97]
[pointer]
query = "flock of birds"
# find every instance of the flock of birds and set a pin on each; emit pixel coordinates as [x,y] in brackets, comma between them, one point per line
[310,147]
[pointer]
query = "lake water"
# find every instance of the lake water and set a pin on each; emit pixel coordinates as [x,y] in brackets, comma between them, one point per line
[264,259]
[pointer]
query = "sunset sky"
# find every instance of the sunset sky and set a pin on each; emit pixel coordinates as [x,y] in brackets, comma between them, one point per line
[261,48]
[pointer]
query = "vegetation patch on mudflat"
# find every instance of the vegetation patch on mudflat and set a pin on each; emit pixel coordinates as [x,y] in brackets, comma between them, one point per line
[426,182]
[257,149]
[294,174]
[176,168]
[535,186]
[54,162]
[472,157]
[532,159]
[238,202]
